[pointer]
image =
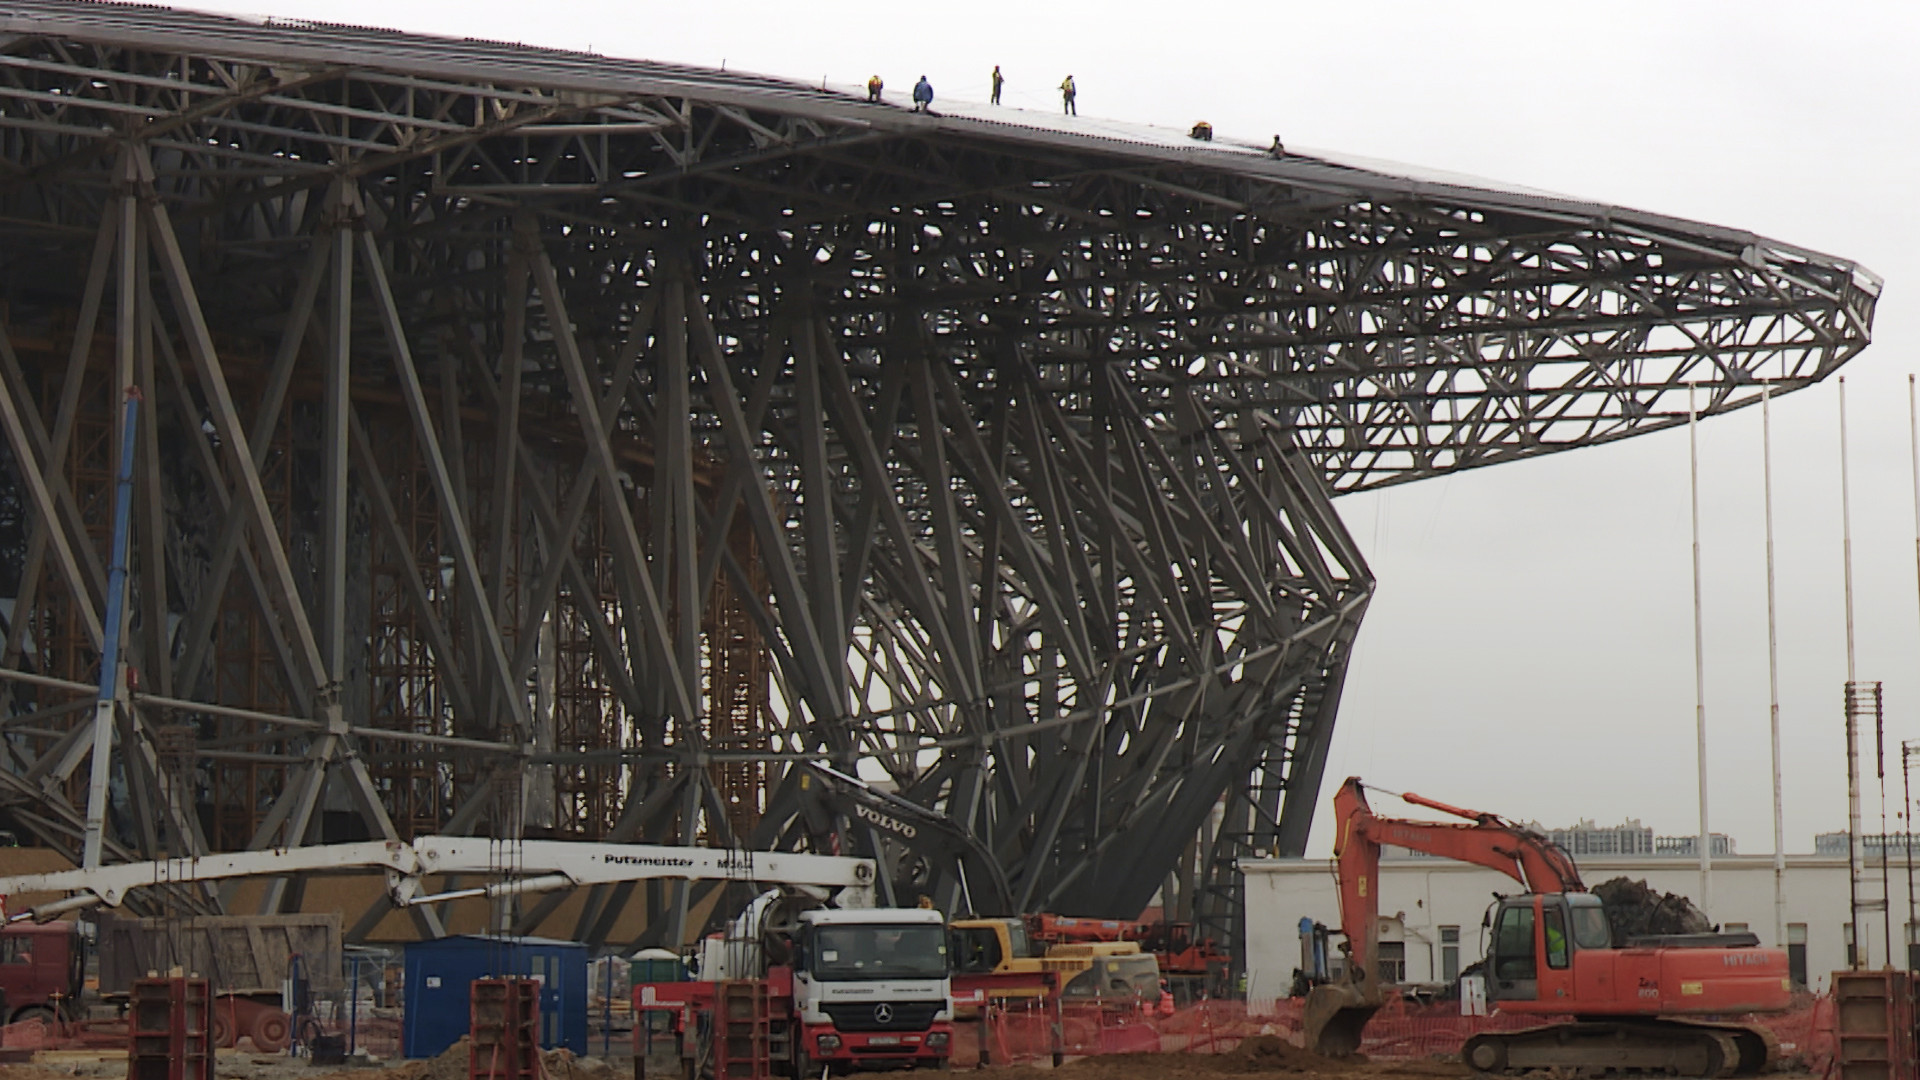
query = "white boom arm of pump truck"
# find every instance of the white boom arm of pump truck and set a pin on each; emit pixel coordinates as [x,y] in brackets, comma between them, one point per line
[523,867]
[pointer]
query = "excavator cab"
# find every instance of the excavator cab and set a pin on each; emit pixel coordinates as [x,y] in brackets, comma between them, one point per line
[1535,938]
[980,946]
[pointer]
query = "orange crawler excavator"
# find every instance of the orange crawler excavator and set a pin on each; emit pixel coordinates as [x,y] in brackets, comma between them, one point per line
[1644,1004]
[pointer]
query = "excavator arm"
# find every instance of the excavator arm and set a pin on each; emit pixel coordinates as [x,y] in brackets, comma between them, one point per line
[1336,1013]
[1482,839]
[840,812]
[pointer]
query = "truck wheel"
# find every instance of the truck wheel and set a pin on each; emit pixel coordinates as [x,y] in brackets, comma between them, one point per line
[41,1013]
[223,1034]
[270,1031]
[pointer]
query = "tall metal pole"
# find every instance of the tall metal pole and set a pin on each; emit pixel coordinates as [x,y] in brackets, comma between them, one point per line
[1853,745]
[1906,823]
[100,765]
[1773,677]
[1906,801]
[1886,876]
[1853,825]
[112,681]
[1699,660]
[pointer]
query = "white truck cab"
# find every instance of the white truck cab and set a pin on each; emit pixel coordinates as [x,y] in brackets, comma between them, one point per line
[870,986]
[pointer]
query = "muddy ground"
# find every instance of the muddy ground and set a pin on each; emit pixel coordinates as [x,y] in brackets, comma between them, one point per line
[452,1065]
[1260,1056]
[1263,1057]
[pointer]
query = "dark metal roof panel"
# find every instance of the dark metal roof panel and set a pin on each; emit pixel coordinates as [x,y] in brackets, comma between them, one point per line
[291,41]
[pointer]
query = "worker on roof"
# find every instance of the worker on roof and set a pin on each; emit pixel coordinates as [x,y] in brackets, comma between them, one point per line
[1067,93]
[1202,131]
[922,95]
[874,86]
[997,80]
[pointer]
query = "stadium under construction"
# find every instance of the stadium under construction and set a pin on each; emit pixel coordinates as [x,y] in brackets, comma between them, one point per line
[533,444]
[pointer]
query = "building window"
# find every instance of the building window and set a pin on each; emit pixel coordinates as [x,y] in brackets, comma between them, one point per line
[1797,953]
[1734,928]
[1393,962]
[1913,946]
[1846,931]
[1449,953]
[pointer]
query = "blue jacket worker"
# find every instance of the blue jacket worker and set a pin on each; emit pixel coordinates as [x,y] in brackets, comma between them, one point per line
[922,94]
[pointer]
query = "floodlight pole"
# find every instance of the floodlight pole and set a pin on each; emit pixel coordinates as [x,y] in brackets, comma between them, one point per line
[1906,829]
[1853,743]
[1906,748]
[1773,677]
[1699,659]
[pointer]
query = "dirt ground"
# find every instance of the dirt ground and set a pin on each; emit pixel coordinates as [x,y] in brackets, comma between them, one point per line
[1263,1057]
[451,1065]
[1257,1057]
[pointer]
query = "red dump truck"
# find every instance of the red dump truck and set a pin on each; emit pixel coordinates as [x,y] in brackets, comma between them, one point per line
[245,957]
[43,971]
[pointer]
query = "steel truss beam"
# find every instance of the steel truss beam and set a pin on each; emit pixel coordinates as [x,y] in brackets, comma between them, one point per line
[547,445]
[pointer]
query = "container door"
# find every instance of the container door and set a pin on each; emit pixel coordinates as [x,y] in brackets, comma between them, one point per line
[552,1030]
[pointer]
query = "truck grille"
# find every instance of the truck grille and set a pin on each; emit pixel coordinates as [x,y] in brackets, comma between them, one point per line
[861,1015]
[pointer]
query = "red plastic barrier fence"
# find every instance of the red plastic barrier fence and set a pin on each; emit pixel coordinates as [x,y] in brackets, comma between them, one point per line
[1399,1031]
[27,1035]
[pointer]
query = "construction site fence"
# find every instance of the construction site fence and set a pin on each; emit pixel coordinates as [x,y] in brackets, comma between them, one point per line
[1401,1030]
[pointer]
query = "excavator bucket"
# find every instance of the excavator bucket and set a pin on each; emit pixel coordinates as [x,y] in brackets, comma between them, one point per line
[1336,1014]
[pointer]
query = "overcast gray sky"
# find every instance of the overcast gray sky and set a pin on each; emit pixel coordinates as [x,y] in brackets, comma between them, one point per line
[1530,648]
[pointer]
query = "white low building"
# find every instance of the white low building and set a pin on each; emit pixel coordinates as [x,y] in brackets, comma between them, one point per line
[1431,910]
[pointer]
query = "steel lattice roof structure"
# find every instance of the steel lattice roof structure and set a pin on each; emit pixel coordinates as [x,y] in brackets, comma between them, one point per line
[543,443]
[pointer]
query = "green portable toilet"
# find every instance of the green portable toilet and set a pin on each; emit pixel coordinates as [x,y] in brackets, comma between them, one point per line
[655,965]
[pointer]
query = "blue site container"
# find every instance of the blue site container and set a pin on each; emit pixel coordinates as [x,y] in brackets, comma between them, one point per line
[440,976]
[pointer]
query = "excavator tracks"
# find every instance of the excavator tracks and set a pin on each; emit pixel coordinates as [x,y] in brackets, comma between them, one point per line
[1672,1047]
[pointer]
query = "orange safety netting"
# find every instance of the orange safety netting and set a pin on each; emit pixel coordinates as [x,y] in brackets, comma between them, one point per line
[1399,1031]
[27,1035]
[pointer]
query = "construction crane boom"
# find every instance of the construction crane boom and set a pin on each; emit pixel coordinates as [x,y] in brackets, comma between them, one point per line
[535,866]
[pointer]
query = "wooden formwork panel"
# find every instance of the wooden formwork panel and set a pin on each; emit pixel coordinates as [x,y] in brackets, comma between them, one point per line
[169,1030]
[1874,1025]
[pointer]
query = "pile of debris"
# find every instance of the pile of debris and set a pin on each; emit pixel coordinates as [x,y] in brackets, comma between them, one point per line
[452,1064]
[1636,909]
